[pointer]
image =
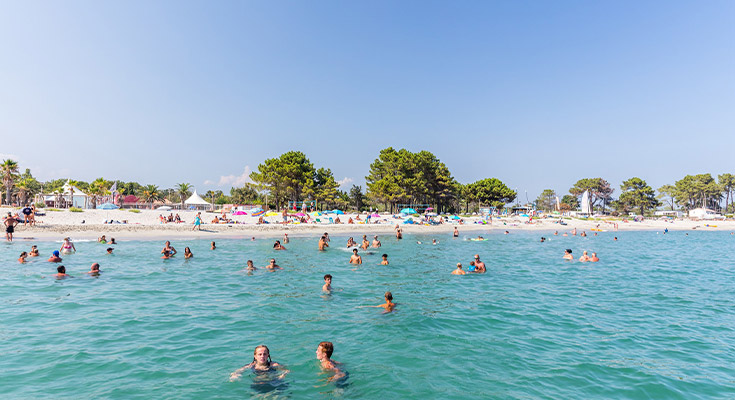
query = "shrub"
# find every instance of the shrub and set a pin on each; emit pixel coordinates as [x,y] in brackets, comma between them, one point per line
[40,204]
[53,209]
[134,210]
[74,209]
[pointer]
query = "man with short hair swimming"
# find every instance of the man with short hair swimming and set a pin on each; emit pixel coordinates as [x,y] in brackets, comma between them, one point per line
[385,260]
[324,354]
[459,270]
[376,242]
[273,266]
[327,283]
[479,265]
[355,258]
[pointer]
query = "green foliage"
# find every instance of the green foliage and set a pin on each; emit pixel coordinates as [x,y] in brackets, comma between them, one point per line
[287,177]
[405,177]
[666,193]
[636,194]
[9,172]
[492,191]
[247,194]
[150,193]
[134,210]
[694,191]
[356,198]
[599,190]
[75,209]
[184,191]
[53,209]
[571,202]
[40,204]
[727,186]
[546,200]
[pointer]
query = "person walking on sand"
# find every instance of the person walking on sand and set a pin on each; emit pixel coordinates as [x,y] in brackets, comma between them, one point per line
[197,222]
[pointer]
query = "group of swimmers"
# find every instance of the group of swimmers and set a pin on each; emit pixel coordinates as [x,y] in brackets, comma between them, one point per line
[584,258]
[262,363]
[476,267]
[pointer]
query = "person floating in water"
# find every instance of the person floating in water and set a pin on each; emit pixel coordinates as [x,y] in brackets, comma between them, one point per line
[61,273]
[261,362]
[109,250]
[94,270]
[479,265]
[584,257]
[214,247]
[459,270]
[278,246]
[385,260]
[22,258]
[327,283]
[594,258]
[568,254]
[355,258]
[376,242]
[322,243]
[54,257]
[389,305]
[273,266]
[434,242]
[324,354]
[187,253]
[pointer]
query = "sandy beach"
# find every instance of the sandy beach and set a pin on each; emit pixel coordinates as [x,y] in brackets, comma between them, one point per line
[146,225]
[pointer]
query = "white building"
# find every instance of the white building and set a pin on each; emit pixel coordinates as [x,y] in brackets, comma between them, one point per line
[704,213]
[669,213]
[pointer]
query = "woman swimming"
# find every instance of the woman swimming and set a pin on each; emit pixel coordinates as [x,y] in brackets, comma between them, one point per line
[261,362]
[67,247]
[188,253]
[22,258]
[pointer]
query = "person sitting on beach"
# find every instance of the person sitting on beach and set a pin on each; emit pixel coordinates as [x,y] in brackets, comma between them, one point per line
[168,248]
[273,266]
[456,232]
[61,273]
[324,354]
[357,217]
[376,242]
[479,265]
[250,267]
[337,220]
[177,218]
[54,257]
[459,270]
[568,254]
[594,258]
[351,242]
[215,220]
[278,246]
[109,250]
[94,269]
[389,304]
[350,221]
[214,247]
[67,247]
[102,239]
[166,255]
[385,260]
[327,283]
[285,238]
[355,258]
[365,244]
[584,257]
[261,362]
[34,251]
[187,253]
[161,219]
[22,258]
[322,243]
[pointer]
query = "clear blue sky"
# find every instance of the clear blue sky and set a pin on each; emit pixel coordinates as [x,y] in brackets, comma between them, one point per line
[537,94]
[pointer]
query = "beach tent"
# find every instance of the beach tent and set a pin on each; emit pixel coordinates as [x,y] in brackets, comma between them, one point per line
[195,200]
[408,211]
[164,208]
[339,212]
[107,206]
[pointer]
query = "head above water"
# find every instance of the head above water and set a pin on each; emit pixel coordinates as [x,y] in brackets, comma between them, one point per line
[61,269]
[95,267]
[389,296]
[327,347]
[354,251]
[262,355]
[55,253]
[327,277]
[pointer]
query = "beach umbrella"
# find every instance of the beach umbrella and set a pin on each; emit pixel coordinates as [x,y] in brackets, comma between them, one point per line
[164,208]
[271,214]
[429,208]
[107,206]
[338,212]
[408,211]
[374,216]
[524,215]
[300,214]
[257,212]
[455,217]
[239,213]
[316,214]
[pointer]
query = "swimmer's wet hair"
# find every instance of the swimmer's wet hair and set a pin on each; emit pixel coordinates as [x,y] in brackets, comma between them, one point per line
[328,348]
[327,276]
[389,296]
[61,269]
[385,256]
[569,251]
[110,249]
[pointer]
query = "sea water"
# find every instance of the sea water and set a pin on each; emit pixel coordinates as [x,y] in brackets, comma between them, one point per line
[654,319]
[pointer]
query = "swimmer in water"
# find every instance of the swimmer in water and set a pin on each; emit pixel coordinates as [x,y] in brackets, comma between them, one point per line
[250,267]
[102,239]
[261,362]
[399,233]
[594,258]
[324,354]
[285,238]
[459,270]
[584,234]
[188,253]
[272,266]
[376,242]
[543,239]
[434,242]
[388,306]
[109,250]
[168,248]
[385,260]
[456,232]
[278,246]
[61,273]
[214,247]
[166,255]
[327,283]
[479,265]
[584,257]
[615,239]
[67,247]
[326,237]
[54,257]
[22,258]
[112,241]
[34,251]
[355,258]
[322,243]
[568,254]
[506,232]
[94,270]
[351,243]
[365,243]
[574,232]
[556,233]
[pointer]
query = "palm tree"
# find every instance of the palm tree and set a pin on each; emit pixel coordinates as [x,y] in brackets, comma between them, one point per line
[150,194]
[99,187]
[9,170]
[184,190]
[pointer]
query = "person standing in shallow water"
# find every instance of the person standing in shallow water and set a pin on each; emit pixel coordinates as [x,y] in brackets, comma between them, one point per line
[355,258]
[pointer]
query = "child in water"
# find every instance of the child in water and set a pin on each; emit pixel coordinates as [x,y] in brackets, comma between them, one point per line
[327,283]
[261,362]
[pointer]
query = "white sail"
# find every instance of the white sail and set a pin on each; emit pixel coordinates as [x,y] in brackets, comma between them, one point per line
[558,204]
[586,209]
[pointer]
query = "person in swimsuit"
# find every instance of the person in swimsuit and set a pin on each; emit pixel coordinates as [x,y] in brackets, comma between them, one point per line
[109,250]
[214,247]
[197,222]
[10,224]
[278,246]
[272,266]
[112,241]
[389,305]
[61,273]
[365,244]
[67,247]
[34,251]
[376,242]
[261,362]
[584,257]
[351,242]
[102,239]
[326,237]
[188,253]
[54,257]
[385,260]
[322,243]
[250,267]
[168,248]
[27,211]
[456,232]
[568,254]
[355,258]
[22,258]
[324,354]
[594,258]
[479,265]
[94,270]
[459,270]
[327,283]
[285,238]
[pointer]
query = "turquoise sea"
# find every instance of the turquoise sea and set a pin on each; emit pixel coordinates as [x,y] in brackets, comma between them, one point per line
[654,319]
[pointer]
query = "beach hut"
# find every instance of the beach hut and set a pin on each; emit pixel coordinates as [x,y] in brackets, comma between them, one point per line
[196,201]
[704,213]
